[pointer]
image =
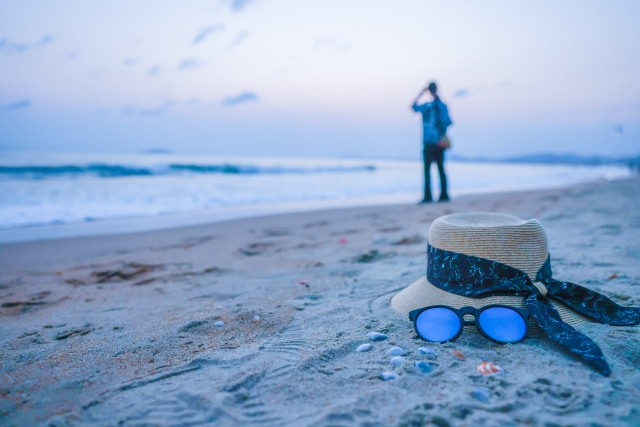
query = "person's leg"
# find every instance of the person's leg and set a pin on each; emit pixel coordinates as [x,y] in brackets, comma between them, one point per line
[439,159]
[427,158]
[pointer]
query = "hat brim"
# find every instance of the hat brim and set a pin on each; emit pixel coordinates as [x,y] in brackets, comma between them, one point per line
[421,293]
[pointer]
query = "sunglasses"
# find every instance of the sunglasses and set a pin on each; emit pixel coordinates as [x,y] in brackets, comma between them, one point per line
[499,323]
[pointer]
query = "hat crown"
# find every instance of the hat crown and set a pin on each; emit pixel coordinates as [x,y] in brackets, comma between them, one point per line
[498,237]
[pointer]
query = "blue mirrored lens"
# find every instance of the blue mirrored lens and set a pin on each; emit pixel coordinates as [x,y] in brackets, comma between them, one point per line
[502,324]
[438,324]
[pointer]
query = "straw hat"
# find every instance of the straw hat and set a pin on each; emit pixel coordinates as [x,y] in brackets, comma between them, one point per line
[498,237]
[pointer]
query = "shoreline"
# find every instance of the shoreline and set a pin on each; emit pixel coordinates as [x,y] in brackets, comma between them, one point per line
[100,234]
[124,328]
[227,213]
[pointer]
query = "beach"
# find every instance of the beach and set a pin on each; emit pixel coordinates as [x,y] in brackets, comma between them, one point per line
[256,321]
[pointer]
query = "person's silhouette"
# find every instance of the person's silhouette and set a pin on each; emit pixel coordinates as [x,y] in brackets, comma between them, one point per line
[435,121]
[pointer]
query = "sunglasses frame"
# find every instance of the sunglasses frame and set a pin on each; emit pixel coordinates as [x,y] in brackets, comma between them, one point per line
[475,312]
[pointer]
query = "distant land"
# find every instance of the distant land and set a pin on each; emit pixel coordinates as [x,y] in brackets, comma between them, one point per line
[154,151]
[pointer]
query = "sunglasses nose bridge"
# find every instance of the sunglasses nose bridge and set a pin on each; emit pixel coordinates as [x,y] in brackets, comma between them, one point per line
[469,319]
[468,315]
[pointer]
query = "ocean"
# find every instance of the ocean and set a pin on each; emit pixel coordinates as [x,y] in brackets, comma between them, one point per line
[45,189]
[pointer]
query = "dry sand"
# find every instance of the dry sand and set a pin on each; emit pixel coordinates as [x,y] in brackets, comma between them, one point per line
[121,330]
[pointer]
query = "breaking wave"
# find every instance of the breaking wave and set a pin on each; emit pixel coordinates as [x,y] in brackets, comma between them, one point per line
[112,171]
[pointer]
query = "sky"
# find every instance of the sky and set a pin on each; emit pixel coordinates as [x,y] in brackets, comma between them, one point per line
[318,78]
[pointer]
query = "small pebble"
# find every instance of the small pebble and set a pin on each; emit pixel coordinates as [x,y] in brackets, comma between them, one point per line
[458,355]
[397,360]
[396,351]
[423,367]
[364,347]
[427,350]
[219,323]
[386,376]
[256,318]
[482,394]
[219,306]
[377,336]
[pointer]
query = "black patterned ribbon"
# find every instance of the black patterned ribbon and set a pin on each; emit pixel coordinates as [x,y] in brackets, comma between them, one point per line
[476,277]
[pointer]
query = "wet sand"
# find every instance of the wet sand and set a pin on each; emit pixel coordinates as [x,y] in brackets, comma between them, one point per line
[125,329]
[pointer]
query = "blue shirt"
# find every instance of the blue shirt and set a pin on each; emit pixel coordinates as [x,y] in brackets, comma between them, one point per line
[435,120]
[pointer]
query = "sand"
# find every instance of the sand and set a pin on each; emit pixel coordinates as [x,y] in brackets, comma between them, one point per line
[125,329]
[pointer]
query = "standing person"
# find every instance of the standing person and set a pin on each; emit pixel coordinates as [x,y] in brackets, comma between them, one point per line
[435,121]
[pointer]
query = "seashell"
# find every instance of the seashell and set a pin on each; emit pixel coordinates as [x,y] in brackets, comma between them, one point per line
[386,376]
[219,323]
[459,355]
[304,282]
[427,350]
[219,306]
[342,241]
[396,351]
[364,347]
[377,336]
[482,394]
[256,318]
[423,367]
[397,360]
[488,368]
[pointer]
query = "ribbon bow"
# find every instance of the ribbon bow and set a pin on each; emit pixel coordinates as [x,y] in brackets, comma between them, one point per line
[476,277]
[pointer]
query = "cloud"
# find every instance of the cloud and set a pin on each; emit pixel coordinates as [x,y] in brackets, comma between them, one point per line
[134,111]
[237,5]
[153,71]
[190,63]
[324,42]
[464,92]
[331,42]
[130,61]
[243,98]
[206,32]
[461,93]
[10,47]
[240,38]
[99,72]
[19,105]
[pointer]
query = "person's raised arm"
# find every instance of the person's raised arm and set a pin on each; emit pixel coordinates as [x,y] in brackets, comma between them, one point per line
[415,102]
